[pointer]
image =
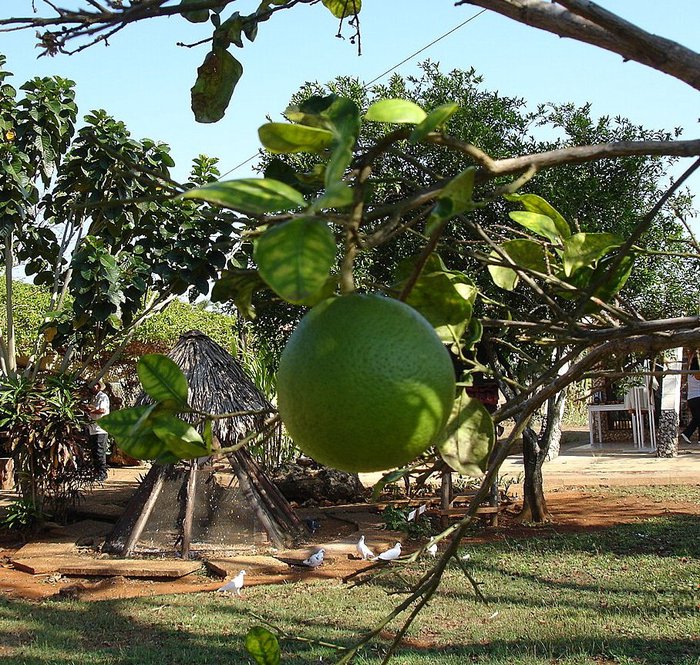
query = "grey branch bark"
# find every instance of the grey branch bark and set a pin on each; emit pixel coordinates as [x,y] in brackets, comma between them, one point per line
[587,22]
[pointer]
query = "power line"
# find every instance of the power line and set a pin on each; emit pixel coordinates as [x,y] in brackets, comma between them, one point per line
[383,74]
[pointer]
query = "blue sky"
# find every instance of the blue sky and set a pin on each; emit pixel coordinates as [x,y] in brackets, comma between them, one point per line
[144,79]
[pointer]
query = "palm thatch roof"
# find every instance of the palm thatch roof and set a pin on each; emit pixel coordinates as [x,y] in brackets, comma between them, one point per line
[217,385]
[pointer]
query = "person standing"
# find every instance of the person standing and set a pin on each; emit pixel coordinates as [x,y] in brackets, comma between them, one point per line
[693,398]
[98,407]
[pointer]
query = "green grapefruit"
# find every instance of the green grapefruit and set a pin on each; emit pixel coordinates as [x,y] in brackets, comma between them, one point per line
[364,383]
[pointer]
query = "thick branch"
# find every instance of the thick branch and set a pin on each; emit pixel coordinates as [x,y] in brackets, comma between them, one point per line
[587,22]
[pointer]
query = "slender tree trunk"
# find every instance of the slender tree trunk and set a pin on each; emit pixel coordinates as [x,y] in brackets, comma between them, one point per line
[10,355]
[534,504]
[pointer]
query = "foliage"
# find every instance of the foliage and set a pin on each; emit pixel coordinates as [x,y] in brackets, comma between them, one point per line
[45,421]
[396,519]
[22,515]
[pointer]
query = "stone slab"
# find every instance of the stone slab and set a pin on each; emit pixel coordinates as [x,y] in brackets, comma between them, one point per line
[253,565]
[76,566]
[62,540]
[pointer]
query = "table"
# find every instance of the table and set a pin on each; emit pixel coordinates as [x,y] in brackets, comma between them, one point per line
[594,411]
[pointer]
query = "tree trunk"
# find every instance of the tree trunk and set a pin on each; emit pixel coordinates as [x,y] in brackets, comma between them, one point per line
[534,504]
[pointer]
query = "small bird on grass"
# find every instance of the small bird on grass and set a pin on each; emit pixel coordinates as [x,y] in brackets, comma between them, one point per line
[432,549]
[235,585]
[362,549]
[315,560]
[390,554]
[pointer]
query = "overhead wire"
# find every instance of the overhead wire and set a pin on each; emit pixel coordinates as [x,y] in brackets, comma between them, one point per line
[382,75]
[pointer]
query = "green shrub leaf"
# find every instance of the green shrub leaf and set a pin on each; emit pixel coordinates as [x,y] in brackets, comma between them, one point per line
[540,224]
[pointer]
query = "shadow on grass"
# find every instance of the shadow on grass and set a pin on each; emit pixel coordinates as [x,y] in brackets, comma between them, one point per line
[107,633]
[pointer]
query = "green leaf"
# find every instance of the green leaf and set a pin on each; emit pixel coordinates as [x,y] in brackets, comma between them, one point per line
[162,379]
[252,196]
[282,137]
[436,118]
[526,254]
[180,438]
[540,224]
[444,297]
[584,249]
[238,285]
[534,203]
[343,8]
[337,195]
[132,433]
[194,16]
[454,199]
[263,646]
[391,477]
[468,437]
[295,257]
[216,80]
[400,111]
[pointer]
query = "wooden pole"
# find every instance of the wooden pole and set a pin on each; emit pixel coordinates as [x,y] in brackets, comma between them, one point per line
[445,497]
[140,524]
[189,510]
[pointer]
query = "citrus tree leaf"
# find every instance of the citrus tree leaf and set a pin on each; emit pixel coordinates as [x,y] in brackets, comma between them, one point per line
[343,8]
[337,195]
[216,80]
[454,199]
[614,279]
[180,438]
[436,118]
[526,254]
[238,285]
[534,203]
[295,257]
[283,137]
[468,437]
[162,379]
[193,15]
[400,111]
[584,249]
[131,431]
[263,646]
[253,196]
[445,298]
[540,224]
[391,477]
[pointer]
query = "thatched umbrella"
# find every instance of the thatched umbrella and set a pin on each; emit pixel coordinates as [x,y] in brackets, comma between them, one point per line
[217,385]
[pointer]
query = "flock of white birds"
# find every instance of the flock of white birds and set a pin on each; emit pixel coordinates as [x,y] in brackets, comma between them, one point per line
[316,559]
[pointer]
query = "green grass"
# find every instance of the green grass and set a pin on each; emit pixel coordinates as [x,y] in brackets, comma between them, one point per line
[627,595]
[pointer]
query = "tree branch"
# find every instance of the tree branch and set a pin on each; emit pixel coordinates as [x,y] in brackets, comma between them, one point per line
[587,22]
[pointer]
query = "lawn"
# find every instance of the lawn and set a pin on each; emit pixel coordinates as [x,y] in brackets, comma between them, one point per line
[625,595]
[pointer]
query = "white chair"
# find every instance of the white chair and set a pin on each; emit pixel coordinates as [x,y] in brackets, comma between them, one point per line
[639,403]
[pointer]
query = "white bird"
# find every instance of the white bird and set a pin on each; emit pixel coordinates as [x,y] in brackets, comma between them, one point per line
[315,560]
[389,555]
[235,585]
[362,549]
[432,549]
